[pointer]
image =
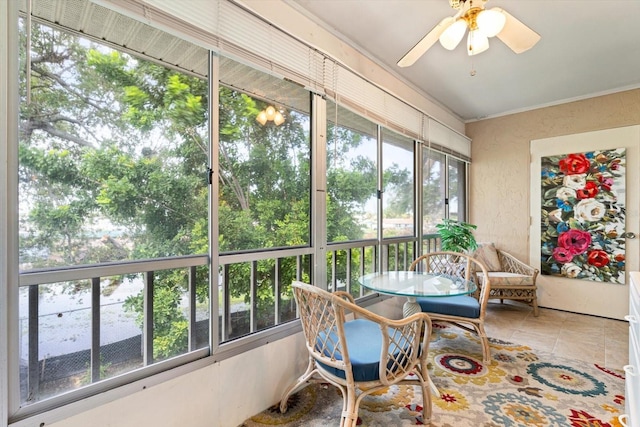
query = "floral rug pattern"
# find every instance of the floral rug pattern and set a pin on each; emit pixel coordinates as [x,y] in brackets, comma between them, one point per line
[518,387]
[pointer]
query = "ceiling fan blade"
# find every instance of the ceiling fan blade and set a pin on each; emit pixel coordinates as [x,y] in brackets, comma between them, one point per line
[427,41]
[516,35]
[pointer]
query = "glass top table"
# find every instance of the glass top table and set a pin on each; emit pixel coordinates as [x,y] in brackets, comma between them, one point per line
[413,284]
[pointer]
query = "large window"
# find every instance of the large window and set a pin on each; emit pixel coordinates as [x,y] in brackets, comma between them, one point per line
[151,236]
[444,189]
[398,185]
[264,161]
[433,189]
[264,201]
[457,189]
[113,153]
[352,176]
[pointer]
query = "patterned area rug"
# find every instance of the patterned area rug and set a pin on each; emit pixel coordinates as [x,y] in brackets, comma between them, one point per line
[519,387]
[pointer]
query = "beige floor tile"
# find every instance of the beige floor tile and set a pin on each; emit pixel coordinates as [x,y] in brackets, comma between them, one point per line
[617,327]
[586,347]
[571,335]
[499,332]
[596,340]
[616,337]
[616,353]
[552,329]
[584,353]
[534,340]
[549,313]
[583,326]
[586,320]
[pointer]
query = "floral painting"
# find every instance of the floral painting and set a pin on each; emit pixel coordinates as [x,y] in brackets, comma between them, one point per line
[583,215]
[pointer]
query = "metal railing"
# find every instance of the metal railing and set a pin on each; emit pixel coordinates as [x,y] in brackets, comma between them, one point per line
[254,295]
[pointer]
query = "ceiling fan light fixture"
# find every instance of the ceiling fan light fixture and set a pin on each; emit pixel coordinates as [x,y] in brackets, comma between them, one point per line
[278,119]
[452,36]
[271,112]
[491,21]
[482,23]
[477,42]
[262,117]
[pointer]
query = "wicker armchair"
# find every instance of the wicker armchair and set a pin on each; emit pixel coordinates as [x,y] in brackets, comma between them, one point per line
[359,356]
[463,311]
[511,279]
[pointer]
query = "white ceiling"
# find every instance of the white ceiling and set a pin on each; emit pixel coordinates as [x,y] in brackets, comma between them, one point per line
[588,48]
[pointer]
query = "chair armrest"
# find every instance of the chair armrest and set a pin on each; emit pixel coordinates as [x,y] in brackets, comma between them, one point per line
[511,264]
[349,298]
[346,296]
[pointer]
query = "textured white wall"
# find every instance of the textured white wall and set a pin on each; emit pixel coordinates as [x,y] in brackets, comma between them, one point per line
[220,395]
[500,181]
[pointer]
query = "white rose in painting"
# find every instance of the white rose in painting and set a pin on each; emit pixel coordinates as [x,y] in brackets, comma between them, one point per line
[565,193]
[577,182]
[589,210]
[571,270]
[555,216]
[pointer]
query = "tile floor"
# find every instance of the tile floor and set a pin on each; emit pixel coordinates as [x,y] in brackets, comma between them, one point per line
[578,336]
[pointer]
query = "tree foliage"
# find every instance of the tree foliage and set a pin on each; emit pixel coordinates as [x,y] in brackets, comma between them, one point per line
[107,138]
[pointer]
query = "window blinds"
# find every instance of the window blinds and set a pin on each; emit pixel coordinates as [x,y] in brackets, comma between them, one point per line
[228,28]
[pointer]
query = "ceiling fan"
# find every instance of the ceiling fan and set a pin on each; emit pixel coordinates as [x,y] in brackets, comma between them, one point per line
[482,24]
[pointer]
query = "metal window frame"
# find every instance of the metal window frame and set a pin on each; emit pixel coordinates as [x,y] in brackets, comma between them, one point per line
[9,241]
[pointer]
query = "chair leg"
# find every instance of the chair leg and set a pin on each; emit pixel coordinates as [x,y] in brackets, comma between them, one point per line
[298,384]
[349,407]
[426,401]
[534,302]
[486,350]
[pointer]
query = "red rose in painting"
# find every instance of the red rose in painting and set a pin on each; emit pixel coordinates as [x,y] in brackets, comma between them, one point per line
[615,164]
[588,192]
[562,255]
[598,258]
[605,183]
[574,241]
[574,164]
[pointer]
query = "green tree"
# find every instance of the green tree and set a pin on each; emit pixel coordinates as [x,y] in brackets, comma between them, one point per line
[108,136]
[105,136]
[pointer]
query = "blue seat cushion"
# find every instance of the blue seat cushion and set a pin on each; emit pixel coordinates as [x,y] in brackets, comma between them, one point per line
[364,341]
[462,306]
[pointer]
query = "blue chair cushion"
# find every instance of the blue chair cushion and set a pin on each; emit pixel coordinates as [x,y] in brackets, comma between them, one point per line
[462,306]
[364,341]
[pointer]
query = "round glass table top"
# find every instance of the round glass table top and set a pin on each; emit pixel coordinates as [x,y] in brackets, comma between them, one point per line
[417,284]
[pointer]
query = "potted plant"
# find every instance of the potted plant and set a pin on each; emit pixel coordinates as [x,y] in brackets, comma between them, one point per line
[457,236]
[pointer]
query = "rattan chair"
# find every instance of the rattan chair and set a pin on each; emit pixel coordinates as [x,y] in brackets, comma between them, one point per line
[464,311]
[362,355]
[511,279]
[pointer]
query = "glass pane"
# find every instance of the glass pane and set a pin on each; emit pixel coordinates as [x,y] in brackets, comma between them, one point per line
[113,152]
[398,181]
[120,330]
[357,260]
[433,189]
[55,343]
[170,314]
[264,161]
[110,144]
[351,176]
[247,294]
[457,189]
[202,307]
